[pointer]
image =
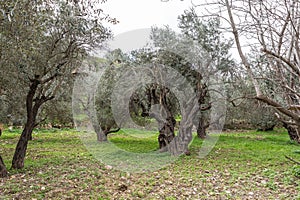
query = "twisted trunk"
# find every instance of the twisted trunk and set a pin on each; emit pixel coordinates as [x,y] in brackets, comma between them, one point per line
[180,143]
[201,128]
[293,131]
[166,133]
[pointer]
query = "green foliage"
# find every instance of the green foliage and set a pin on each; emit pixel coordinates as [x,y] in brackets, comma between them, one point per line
[296,171]
[208,35]
[45,41]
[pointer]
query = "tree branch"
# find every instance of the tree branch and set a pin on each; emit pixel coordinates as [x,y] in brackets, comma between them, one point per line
[291,159]
[294,68]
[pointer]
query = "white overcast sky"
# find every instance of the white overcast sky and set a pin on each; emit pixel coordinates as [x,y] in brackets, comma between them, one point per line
[136,14]
[141,14]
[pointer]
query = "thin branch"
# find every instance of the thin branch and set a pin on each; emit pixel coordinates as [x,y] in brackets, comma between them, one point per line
[295,69]
[291,159]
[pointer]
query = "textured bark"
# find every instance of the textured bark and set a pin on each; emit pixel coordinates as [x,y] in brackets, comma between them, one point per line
[1,128]
[32,111]
[166,133]
[101,136]
[201,128]
[180,144]
[293,131]
[3,170]
[20,152]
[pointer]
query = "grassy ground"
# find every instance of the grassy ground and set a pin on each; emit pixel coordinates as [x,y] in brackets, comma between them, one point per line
[249,165]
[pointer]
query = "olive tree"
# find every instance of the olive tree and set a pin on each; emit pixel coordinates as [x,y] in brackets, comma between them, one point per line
[208,35]
[42,42]
[189,56]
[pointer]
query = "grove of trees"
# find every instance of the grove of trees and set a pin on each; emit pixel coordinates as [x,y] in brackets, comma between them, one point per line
[42,43]
[46,45]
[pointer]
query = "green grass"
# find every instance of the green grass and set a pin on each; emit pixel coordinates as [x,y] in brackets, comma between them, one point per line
[248,165]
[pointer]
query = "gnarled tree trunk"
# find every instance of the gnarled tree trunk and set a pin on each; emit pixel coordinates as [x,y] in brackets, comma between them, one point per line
[293,131]
[180,143]
[101,135]
[201,128]
[166,133]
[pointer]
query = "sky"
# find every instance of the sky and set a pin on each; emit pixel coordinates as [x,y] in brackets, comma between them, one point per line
[143,14]
[136,14]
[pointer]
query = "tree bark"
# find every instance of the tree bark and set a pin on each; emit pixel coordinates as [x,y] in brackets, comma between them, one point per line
[201,128]
[293,131]
[180,144]
[166,133]
[3,170]
[101,136]
[32,111]
[20,152]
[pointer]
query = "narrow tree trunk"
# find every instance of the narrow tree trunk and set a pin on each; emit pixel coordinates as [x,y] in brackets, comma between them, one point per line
[1,127]
[20,152]
[32,111]
[3,170]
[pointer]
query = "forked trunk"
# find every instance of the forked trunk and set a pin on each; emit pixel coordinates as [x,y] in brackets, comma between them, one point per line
[180,143]
[3,170]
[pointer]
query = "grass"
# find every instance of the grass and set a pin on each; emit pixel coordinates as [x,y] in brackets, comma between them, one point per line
[59,165]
